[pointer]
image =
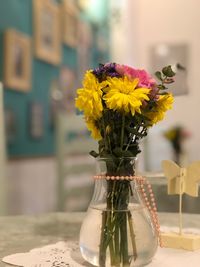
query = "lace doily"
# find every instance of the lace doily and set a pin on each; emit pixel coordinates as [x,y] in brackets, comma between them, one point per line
[67,254]
[56,255]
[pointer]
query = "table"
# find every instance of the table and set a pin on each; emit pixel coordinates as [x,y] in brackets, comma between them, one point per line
[22,233]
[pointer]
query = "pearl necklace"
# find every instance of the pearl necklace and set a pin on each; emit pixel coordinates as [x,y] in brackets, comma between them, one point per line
[147,196]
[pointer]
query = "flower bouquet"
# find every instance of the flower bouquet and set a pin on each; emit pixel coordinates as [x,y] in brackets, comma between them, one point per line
[119,104]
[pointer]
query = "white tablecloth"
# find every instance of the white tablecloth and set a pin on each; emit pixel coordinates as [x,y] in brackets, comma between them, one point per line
[66,254]
[23,233]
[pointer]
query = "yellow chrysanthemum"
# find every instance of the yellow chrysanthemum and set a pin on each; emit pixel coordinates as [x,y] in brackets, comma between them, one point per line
[95,133]
[122,95]
[164,103]
[89,98]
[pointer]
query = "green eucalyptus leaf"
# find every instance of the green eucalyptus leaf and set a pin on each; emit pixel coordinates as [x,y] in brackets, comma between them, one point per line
[167,71]
[164,93]
[162,87]
[180,67]
[158,74]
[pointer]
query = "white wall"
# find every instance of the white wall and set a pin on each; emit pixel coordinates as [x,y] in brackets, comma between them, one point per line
[123,49]
[174,21]
[31,186]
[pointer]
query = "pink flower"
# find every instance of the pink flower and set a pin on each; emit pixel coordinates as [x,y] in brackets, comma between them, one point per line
[145,80]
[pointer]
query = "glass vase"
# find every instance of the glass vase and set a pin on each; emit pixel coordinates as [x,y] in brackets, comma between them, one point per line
[120,227]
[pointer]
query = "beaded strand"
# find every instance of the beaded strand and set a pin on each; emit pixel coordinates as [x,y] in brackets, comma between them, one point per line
[107,177]
[147,196]
[150,203]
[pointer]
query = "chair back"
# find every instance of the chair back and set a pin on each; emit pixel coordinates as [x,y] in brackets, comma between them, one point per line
[72,135]
[73,144]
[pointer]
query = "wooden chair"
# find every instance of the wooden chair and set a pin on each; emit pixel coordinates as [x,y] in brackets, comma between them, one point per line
[3,184]
[73,144]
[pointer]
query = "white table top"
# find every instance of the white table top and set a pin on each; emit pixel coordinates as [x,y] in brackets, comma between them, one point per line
[22,233]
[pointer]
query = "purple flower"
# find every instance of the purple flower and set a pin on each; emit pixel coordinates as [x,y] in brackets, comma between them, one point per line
[104,70]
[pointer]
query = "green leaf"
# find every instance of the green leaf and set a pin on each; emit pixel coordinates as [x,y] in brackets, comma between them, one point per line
[134,148]
[118,151]
[158,74]
[180,67]
[162,87]
[127,154]
[167,71]
[94,154]
[164,93]
[101,146]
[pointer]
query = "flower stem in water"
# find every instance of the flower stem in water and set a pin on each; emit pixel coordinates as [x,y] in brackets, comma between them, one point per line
[130,222]
[102,247]
[124,241]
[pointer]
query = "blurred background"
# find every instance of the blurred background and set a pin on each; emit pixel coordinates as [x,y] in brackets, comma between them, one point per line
[45,48]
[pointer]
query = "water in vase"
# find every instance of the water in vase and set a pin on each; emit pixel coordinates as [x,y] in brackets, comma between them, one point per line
[145,236]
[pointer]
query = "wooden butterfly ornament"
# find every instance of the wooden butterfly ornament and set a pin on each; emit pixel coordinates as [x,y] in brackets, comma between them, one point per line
[180,181]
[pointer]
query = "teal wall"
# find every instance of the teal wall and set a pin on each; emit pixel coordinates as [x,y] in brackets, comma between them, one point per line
[18,14]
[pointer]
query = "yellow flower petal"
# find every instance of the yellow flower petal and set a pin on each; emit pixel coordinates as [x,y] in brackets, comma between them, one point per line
[89,99]
[164,103]
[95,132]
[122,95]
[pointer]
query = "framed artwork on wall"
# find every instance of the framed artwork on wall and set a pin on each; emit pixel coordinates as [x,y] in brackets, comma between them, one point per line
[70,23]
[10,125]
[86,41]
[63,91]
[36,120]
[47,33]
[17,60]
[67,82]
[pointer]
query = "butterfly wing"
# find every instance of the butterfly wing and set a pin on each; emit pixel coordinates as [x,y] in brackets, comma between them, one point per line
[192,179]
[172,172]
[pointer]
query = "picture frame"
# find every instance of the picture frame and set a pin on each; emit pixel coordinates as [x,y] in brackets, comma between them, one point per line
[86,41]
[17,60]
[36,120]
[63,92]
[67,84]
[47,31]
[10,119]
[70,24]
